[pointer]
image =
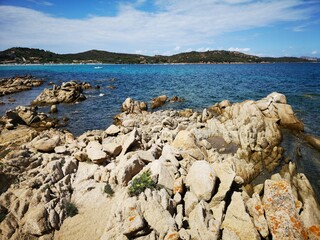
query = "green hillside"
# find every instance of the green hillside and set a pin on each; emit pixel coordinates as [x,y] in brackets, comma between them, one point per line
[38,56]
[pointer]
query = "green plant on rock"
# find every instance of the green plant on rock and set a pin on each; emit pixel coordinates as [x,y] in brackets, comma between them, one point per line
[141,183]
[108,190]
[71,209]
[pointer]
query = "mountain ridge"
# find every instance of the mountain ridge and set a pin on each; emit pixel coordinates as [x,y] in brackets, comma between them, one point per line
[20,55]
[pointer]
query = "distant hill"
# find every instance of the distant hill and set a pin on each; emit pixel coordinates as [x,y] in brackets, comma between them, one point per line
[38,56]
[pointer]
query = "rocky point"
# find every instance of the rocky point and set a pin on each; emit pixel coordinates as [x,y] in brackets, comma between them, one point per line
[161,175]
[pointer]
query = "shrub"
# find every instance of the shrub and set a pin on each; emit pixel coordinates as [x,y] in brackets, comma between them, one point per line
[141,183]
[108,190]
[71,209]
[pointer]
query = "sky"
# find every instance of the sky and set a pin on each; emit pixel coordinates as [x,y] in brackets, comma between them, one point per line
[163,27]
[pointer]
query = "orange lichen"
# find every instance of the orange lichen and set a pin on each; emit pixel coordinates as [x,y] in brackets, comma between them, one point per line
[299,227]
[315,230]
[132,218]
[172,236]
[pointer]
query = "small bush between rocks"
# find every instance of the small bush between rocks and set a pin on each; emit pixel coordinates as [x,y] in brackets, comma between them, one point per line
[71,209]
[108,190]
[141,183]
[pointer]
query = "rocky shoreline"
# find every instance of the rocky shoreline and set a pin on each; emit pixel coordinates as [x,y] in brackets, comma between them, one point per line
[159,175]
[18,84]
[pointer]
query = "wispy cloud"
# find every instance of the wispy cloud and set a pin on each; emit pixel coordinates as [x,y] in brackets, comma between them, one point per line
[314,52]
[244,50]
[183,23]
[40,2]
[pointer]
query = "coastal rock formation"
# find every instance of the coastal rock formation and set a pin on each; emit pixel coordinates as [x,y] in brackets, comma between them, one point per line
[130,106]
[158,101]
[68,92]
[27,116]
[18,84]
[159,175]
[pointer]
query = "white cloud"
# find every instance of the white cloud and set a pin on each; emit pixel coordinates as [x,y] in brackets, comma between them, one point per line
[202,49]
[314,52]
[177,48]
[187,22]
[40,2]
[244,50]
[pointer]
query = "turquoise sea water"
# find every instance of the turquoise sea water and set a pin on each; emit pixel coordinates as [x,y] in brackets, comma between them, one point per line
[200,85]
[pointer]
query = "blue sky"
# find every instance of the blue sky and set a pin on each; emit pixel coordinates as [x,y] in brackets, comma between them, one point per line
[258,27]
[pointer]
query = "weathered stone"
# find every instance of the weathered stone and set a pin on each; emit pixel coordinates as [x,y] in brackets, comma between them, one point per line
[46,144]
[201,179]
[158,101]
[283,219]
[146,156]
[95,152]
[310,214]
[190,201]
[81,156]
[162,174]
[36,221]
[287,117]
[202,226]
[256,210]
[128,169]
[129,141]
[237,222]
[156,216]
[112,148]
[69,92]
[53,109]
[226,175]
[112,130]
[133,221]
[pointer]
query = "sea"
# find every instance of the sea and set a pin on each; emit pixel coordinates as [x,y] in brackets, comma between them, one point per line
[201,85]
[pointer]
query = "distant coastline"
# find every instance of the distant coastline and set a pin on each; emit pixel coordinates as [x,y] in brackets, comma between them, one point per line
[32,56]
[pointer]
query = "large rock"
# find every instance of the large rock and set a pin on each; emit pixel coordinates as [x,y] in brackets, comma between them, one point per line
[129,141]
[310,214]
[158,101]
[256,210]
[282,216]
[46,144]
[186,141]
[36,221]
[201,179]
[288,118]
[18,84]
[237,222]
[156,216]
[162,174]
[126,170]
[95,152]
[226,174]
[131,106]
[202,224]
[69,92]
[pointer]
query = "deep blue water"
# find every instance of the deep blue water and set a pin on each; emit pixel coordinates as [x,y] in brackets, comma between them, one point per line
[200,85]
